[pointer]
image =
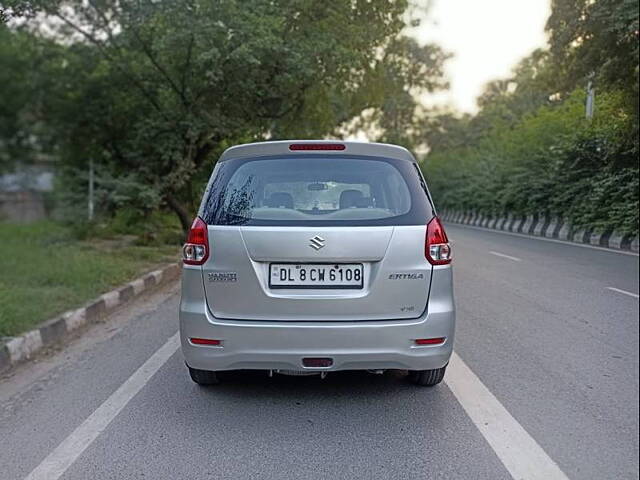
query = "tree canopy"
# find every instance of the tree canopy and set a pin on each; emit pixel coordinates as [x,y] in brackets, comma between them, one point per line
[530,149]
[152,91]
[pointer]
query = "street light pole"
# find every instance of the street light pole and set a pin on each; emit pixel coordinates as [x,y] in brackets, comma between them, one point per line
[91,175]
[591,98]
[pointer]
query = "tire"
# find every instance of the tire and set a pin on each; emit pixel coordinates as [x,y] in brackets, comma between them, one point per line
[203,377]
[427,378]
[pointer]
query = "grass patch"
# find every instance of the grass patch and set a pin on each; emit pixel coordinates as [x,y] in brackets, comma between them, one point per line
[45,270]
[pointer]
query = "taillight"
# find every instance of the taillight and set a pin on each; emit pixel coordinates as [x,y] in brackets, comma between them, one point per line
[196,250]
[437,248]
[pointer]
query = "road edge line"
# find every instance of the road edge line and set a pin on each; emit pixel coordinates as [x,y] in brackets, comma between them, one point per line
[624,292]
[69,450]
[518,451]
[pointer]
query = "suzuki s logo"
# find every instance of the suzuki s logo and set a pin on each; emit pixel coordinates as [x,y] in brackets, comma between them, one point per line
[317,242]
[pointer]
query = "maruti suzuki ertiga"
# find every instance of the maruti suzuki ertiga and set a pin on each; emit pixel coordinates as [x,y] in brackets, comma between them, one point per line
[313,257]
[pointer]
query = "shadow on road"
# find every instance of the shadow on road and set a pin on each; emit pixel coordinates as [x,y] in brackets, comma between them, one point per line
[348,383]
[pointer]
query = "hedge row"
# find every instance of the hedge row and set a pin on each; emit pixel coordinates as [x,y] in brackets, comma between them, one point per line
[553,161]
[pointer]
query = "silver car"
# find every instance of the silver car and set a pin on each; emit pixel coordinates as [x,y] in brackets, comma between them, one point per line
[309,257]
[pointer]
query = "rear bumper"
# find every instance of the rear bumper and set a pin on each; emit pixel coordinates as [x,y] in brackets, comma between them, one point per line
[351,345]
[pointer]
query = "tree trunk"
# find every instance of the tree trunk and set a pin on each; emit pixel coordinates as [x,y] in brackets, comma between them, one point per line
[179,210]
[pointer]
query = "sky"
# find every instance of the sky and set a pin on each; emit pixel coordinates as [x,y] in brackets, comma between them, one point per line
[487,38]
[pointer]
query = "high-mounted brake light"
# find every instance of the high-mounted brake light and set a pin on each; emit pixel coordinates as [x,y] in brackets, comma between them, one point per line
[437,248]
[196,250]
[317,146]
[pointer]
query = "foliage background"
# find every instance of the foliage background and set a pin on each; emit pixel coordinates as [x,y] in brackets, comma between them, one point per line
[530,149]
[154,91]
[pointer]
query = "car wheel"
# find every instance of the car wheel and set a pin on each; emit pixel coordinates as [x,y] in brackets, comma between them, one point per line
[427,378]
[203,377]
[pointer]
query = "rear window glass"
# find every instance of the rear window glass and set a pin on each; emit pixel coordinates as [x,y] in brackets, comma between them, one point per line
[314,191]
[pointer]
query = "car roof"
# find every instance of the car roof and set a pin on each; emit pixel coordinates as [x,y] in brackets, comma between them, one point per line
[281,147]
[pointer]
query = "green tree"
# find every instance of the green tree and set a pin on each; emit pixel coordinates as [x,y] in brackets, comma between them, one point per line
[596,38]
[25,79]
[153,90]
[530,150]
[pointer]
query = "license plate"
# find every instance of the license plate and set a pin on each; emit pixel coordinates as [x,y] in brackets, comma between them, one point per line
[316,275]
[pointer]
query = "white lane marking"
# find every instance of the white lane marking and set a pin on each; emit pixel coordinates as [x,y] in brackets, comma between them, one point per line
[518,451]
[544,239]
[613,289]
[60,459]
[497,254]
[523,457]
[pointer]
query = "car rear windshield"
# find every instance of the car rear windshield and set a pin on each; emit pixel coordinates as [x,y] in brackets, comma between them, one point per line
[316,190]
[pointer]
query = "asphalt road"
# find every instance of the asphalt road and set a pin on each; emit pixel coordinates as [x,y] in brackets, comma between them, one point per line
[550,330]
